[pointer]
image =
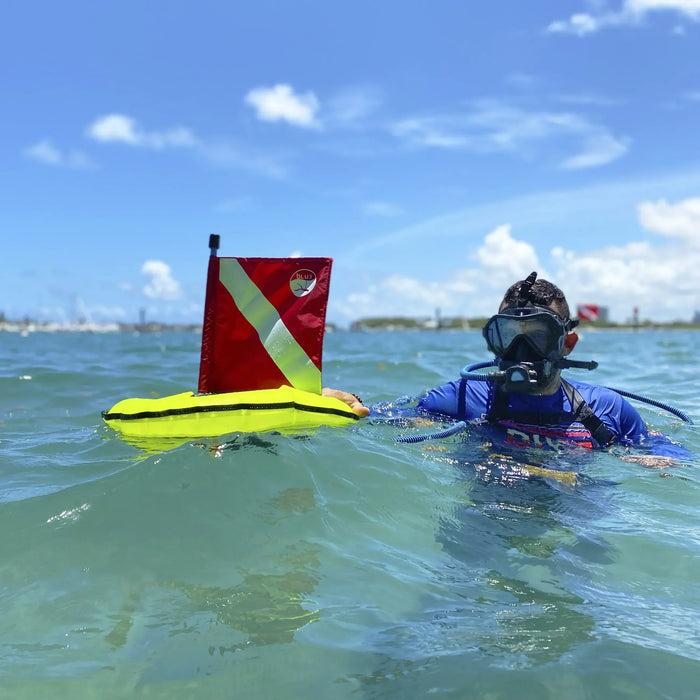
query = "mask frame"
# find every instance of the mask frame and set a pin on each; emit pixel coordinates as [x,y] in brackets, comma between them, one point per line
[540,327]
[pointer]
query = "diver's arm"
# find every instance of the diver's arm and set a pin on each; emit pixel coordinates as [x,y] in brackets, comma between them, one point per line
[626,422]
[662,451]
[443,400]
[651,461]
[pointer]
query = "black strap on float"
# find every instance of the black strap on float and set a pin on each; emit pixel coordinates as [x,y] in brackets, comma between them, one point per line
[582,413]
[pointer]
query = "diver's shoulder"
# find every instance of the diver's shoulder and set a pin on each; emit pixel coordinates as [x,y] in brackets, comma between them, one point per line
[595,391]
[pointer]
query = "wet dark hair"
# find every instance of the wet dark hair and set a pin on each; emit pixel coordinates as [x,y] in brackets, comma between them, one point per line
[542,293]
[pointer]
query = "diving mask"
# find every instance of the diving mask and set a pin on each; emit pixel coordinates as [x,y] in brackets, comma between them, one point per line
[535,326]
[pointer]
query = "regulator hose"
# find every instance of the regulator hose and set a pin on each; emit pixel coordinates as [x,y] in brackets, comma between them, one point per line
[652,402]
[452,430]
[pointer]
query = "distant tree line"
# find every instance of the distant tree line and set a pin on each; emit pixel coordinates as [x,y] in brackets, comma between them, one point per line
[458,323]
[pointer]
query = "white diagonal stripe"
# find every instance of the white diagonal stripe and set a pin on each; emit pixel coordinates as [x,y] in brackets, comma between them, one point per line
[281,345]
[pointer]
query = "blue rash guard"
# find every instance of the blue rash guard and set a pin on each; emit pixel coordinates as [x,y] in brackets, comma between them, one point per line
[613,410]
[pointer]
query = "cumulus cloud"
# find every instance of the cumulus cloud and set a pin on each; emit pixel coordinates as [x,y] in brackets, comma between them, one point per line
[45,152]
[659,279]
[119,128]
[681,220]
[160,282]
[282,103]
[631,12]
[497,127]
[659,276]
[475,290]
[504,258]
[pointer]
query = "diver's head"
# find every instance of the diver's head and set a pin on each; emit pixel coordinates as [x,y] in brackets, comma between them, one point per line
[537,292]
[530,334]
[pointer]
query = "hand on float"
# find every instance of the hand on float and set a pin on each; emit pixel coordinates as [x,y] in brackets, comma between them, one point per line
[352,400]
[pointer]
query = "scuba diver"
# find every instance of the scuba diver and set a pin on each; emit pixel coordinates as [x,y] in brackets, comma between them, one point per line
[531,336]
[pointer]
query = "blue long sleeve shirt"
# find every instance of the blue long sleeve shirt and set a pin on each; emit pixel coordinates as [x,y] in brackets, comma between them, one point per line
[615,412]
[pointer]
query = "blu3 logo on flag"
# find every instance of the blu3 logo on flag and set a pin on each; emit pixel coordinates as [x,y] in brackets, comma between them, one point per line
[302,282]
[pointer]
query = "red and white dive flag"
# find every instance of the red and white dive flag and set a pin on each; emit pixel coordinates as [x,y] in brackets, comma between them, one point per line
[264,320]
[588,312]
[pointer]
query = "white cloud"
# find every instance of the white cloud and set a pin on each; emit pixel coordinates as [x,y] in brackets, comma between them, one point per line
[659,276]
[45,152]
[680,220]
[439,132]
[632,12]
[114,127]
[160,284]
[599,149]
[383,209]
[473,291]
[281,103]
[691,8]
[659,279]
[492,127]
[119,128]
[504,258]
[579,24]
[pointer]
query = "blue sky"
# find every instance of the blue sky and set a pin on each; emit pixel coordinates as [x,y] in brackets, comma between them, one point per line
[437,151]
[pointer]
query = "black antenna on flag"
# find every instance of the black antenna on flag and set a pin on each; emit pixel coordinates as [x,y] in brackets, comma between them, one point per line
[206,362]
[214,243]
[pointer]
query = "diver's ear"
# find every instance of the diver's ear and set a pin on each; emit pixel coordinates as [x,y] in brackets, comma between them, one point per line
[569,342]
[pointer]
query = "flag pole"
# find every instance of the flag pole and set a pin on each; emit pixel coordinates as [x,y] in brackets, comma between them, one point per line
[206,361]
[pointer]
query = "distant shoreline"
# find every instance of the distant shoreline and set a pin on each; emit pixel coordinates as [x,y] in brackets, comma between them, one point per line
[362,326]
[476,324]
[27,327]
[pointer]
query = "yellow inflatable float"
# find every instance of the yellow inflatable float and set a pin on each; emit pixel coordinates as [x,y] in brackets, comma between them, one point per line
[189,415]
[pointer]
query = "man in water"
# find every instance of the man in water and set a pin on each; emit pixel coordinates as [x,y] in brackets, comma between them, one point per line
[527,399]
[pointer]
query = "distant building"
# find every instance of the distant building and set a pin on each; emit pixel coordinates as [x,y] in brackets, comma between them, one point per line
[592,312]
[696,318]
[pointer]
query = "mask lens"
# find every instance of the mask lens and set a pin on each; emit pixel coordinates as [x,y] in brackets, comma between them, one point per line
[542,330]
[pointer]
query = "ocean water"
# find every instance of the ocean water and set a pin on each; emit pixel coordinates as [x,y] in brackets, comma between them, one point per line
[338,563]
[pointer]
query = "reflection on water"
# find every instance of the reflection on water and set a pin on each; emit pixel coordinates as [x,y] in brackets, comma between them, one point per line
[540,625]
[507,542]
[269,608]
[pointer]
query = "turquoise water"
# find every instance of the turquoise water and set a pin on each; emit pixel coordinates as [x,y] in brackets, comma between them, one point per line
[339,563]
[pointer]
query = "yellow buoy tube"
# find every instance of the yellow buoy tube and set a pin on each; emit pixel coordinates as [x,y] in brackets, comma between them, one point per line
[190,415]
